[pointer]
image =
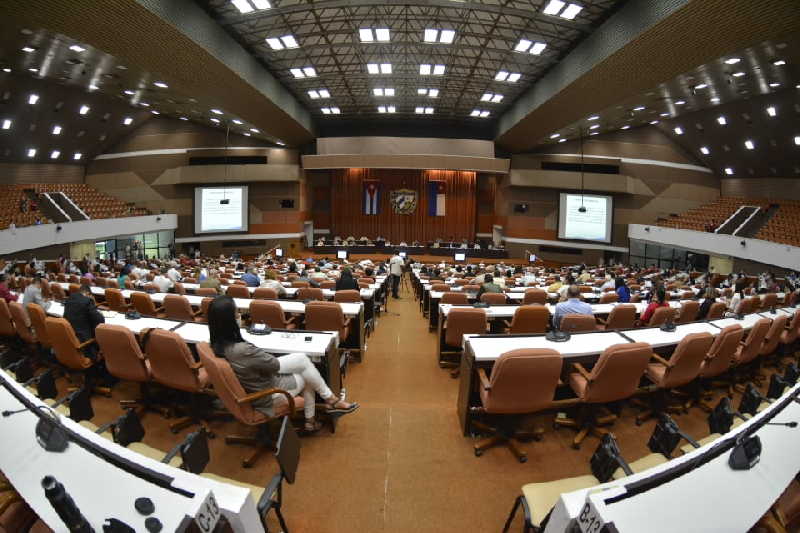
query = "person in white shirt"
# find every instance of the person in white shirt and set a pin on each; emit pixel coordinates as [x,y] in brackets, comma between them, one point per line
[161,281]
[321,242]
[477,246]
[396,270]
[609,283]
[173,274]
[403,243]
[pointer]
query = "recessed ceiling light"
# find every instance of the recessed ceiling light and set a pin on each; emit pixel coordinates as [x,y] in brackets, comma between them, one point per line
[555,136]
[129,92]
[729,171]
[28,49]
[772,111]
[84,109]
[160,84]
[523,45]
[680,102]
[243,6]
[538,48]
[554,7]
[497,98]
[749,144]
[55,154]
[501,76]
[654,122]
[722,121]
[7,124]
[797,140]
[144,104]
[237,122]
[715,100]
[701,86]
[663,114]
[625,127]
[216,111]
[77,48]
[33,98]
[562,140]
[639,108]
[738,74]
[56,130]
[593,117]
[594,126]
[774,84]
[434,35]
[433,93]
[246,134]
[429,111]
[571,12]
[419,110]
[779,63]
[6,70]
[484,114]
[214,120]
[323,93]
[326,110]
[309,72]
[77,156]
[31,152]
[732,61]
[514,77]
[255,130]
[127,121]
[705,150]
[184,118]
[481,113]
[313,94]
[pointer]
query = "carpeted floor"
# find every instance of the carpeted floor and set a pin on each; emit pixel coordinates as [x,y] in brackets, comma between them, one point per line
[400,464]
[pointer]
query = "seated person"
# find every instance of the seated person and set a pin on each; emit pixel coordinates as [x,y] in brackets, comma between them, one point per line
[659,300]
[464,244]
[318,275]
[477,245]
[350,240]
[363,240]
[271,282]
[212,281]
[415,243]
[257,369]
[251,278]
[573,305]
[81,312]
[161,281]
[488,285]
[403,243]
[623,292]
[6,294]
[710,297]
[33,293]
[320,242]
[491,246]
[346,281]
[436,243]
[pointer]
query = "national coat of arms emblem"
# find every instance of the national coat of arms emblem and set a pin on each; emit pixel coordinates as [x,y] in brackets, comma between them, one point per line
[403,201]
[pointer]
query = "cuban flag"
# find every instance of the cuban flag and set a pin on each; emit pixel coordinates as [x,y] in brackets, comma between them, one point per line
[436,198]
[372,197]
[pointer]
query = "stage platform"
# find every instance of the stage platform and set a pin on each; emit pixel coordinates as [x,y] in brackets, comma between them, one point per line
[414,251]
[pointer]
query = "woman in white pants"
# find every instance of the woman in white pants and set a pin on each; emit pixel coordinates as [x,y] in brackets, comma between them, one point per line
[257,369]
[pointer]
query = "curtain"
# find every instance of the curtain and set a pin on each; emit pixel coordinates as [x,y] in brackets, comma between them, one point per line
[347,205]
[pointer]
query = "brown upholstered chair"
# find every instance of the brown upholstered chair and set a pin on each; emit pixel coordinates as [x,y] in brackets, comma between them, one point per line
[58,292]
[173,366]
[716,311]
[454,298]
[239,403]
[189,280]
[204,303]
[790,334]
[773,338]
[622,316]
[661,316]
[522,382]
[6,322]
[265,293]
[749,350]
[115,301]
[682,367]
[142,302]
[575,323]
[179,288]
[310,293]
[129,284]
[535,296]
[440,287]
[177,307]
[532,318]
[614,377]
[124,360]
[300,284]
[22,323]
[717,361]
[332,284]
[493,298]
[327,316]
[207,291]
[688,312]
[150,288]
[347,296]
[46,292]
[238,291]
[609,297]
[61,278]
[769,301]
[459,322]
[69,352]
[39,324]
[271,313]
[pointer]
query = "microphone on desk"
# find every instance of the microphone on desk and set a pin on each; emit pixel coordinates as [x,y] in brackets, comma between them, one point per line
[65,506]
[787,424]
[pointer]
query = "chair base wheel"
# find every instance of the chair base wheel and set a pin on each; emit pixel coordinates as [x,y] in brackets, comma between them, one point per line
[523,459]
[478,453]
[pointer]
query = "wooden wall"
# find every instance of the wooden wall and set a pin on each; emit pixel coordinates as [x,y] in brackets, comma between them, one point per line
[11,173]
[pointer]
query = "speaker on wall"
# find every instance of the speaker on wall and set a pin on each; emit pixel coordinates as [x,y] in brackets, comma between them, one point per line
[287,204]
[520,208]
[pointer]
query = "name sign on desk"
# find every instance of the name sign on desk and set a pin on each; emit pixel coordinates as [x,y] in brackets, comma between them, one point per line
[208,514]
[590,521]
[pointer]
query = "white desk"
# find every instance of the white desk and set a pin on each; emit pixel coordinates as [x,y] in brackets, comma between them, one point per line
[85,476]
[657,338]
[579,344]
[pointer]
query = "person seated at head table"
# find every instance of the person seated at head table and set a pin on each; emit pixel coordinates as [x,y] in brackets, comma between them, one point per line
[573,305]
[436,244]
[337,240]
[363,240]
[476,246]
[464,244]
[403,243]
[321,242]
[415,243]
[351,240]
[257,369]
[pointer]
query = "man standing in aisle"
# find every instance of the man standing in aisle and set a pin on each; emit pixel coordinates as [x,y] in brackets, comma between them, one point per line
[396,270]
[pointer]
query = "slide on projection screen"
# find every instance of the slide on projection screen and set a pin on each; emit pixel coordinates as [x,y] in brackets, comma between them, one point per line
[590,224]
[220,209]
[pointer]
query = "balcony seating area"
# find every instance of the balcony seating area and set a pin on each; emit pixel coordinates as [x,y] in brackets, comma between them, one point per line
[93,202]
[784,226]
[709,217]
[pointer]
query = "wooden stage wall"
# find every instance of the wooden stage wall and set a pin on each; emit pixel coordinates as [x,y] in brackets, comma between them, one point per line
[347,209]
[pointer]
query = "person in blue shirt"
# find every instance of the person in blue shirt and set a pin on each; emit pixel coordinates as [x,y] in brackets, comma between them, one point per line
[251,279]
[573,305]
[623,292]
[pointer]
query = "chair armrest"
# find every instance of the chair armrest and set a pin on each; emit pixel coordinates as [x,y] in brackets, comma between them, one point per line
[660,359]
[85,344]
[199,312]
[484,379]
[346,322]
[160,309]
[600,321]
[582,371]
[268,392]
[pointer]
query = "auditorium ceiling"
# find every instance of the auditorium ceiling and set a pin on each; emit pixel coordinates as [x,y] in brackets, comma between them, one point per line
[437,59]
[738,114]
